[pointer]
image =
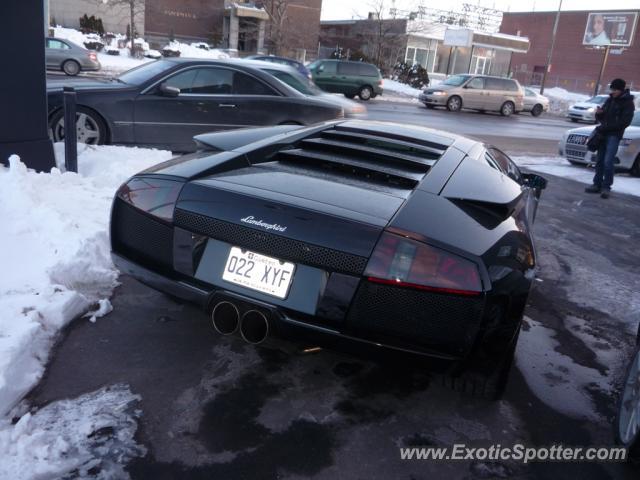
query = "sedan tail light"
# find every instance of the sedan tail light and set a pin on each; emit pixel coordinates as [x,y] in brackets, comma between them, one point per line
[403,262]
[92,56]
[155,196]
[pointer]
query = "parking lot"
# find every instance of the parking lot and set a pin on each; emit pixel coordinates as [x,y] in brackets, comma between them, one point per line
[214,406]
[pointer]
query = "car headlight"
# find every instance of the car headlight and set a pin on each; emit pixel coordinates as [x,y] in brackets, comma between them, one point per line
[154,196]
[625,142]
[403,262]
[591,109]
[438,92]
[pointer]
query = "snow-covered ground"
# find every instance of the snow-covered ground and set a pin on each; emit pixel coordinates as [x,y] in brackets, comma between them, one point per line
[560,167]
[54,250]
[55,246]
[114,64]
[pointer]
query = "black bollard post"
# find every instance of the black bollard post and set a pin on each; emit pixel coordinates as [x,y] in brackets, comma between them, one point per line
[70,137]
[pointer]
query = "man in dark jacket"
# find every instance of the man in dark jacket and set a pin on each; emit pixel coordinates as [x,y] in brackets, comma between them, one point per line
[614,117]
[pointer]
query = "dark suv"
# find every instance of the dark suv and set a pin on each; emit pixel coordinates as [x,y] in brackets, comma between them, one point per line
[349,78]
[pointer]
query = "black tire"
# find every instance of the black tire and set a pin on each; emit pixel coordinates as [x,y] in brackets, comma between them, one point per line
[536,111]
[430,107]
[507,109]
[635,169]
[366,93]
[71,68]
[629,390]
[93,131]
[574,120]
[486,373]
[349,95]
[454,104]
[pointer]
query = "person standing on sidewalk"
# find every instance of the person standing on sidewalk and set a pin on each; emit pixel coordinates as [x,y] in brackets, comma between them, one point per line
[614,117]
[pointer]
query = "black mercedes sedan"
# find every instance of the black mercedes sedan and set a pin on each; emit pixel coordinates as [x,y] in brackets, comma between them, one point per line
[163,104]
[351,233]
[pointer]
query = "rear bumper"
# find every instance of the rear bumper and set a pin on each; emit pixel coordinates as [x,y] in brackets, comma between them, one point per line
[284,323]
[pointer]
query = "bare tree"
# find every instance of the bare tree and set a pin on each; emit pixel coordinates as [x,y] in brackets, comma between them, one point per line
[384,38]
[278,23]
[133,8]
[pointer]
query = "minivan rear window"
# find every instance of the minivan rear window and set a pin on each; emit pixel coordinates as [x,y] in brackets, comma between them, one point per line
[348,68]
[367,70]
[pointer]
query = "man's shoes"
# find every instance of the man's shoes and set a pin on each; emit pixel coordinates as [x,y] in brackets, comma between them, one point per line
[605,193]
[592,189]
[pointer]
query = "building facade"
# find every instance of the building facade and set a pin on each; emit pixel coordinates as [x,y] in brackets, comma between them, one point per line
[115,17]
[284,27]
[573,66]
[386,42]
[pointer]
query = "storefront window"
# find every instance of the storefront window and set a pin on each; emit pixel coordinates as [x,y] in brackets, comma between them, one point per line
[411,54]
[500,63]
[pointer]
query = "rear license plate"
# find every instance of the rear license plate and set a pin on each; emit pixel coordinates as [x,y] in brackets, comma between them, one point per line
[259,272]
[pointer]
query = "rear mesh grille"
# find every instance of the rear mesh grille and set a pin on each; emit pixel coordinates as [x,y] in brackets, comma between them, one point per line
[139,236]
[446,322]
[270,244]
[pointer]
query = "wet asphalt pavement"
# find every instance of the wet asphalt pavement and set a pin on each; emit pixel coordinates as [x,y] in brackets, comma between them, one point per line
[215,407]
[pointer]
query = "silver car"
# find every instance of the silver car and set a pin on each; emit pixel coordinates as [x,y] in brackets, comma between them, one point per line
[535,103]
[586,111]
[573,146]
[70,58]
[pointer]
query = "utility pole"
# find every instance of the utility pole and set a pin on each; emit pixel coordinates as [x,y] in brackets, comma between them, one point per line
[553,41]
[602,67]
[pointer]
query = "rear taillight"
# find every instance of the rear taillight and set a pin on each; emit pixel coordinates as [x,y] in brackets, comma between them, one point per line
[380,82]
[155,196]
[404,262]
[93,56]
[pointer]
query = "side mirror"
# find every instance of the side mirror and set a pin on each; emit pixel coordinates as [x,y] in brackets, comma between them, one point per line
[169,91]
[534,181]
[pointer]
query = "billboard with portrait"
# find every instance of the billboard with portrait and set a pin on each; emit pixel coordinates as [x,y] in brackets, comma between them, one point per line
[610,28]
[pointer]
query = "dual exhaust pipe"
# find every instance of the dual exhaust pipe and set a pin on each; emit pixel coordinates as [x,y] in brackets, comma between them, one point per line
[253,324]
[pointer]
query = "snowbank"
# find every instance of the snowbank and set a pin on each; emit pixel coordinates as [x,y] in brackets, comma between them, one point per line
[54,250]
[560,99]
[560,167]
[115,64]
[88,437]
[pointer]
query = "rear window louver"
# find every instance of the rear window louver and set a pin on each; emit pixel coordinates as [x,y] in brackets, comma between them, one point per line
[400,162]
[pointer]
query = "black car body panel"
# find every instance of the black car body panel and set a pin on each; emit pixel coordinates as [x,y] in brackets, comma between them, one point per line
[326,199]
[142,114]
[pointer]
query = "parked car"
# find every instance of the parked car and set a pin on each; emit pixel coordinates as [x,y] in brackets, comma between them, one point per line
[476,92]
[372,235]
[304,85]
[70,58]
[627,424]
[283,61]
[165,103]
[573,146]
[535,103]
[348,78]
[586,111]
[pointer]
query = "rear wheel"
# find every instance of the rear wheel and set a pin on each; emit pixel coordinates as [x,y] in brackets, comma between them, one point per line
[507,109]
[71,67]
[627,422]
[454,104]
[635,169]
[365,93]
[536,111]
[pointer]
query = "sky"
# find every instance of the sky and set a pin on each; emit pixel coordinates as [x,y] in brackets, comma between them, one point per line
[346,9]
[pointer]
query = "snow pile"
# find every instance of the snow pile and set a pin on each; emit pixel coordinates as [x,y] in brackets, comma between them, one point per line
[560,167]
[89,437]
[190,51]
[54,250]
[560,99]
[401,92]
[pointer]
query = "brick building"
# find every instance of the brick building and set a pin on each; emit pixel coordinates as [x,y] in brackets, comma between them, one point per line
[573,65]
